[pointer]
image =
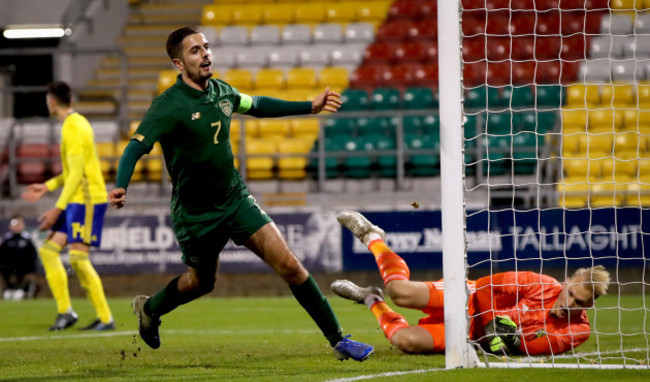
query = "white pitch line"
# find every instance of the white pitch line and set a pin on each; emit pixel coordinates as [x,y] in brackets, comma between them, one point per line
[386,374]
[61,336]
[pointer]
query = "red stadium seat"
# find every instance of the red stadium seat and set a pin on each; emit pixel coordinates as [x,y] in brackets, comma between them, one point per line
[474,73]
[548,23]
[542,5]
[430,50]
[523,48]
[592,23]
[427,9]
[33,165]
[575,47]
[367,76]
[473,4]
[403,9]
[523,72]
[498,48]
[557,72]
[379,53]
[427,76]
[425,30]
[401,75]
[572,22]
[522,23]
[498,23]
[473,24]
[395,30]
[522,4]
[597,4]
[414,51]
[572,4]
[547,47]
[474,48]
[498,73]
[497,4]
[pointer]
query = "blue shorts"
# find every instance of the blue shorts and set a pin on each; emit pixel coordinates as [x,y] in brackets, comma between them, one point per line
[81,224]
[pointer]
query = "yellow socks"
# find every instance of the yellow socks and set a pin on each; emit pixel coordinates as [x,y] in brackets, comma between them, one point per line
[56,276]
[91,283]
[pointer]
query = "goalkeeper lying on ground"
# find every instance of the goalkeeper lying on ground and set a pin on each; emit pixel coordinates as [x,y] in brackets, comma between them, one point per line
[512,312]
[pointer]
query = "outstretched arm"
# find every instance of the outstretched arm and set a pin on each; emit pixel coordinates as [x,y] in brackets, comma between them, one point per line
[268,107]
[132,153]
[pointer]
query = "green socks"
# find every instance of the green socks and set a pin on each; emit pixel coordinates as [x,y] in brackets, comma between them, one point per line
[312,300]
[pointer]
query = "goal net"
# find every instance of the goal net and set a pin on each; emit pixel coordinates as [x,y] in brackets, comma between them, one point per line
[553,162]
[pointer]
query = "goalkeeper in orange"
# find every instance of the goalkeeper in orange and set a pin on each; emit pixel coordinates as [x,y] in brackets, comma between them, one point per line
[512,312]
[77,217]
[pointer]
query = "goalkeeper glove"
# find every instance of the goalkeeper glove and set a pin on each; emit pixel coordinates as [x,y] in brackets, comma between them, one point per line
[501,335]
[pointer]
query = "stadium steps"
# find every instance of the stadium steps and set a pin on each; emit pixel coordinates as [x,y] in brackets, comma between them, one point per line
[151,63]
[125,41]
[132,73]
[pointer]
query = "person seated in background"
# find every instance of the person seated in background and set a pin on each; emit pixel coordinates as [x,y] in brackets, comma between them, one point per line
[512,312]
[18,261]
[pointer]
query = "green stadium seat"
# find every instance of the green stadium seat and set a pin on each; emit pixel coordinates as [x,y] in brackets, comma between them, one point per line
[540,122]
[358,166]
[546,121]
[431,124]
[423,164]
[524,154]
[345,127]
[516,97]
[354,100]
[499,123]
[412,124]
[387,164]
[495,155]
[375,126]
[470,129]
[419,98]
[549,96]
[385,99]
[481,97]
[331,164]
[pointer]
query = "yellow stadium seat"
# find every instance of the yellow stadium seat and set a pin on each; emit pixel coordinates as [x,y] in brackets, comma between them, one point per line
[106,153]
[586,170]
[155,163]
[293,167]
[272,79]
[628,141]
[274,127]
[217,14]
[336,78]
[628,5]
[249,14]
[240,78]
[604,119]
[617,95]
[582,96]
[598,143]
[305,128]
[309,13]
[638,193]
[166,78]
[572,193]
[259,167]
[619,169]
[607,194]
[373,12]
[643,94]
[278,14]
[574,118]
[301,78]
[571,143]
[341,13]
[133,126]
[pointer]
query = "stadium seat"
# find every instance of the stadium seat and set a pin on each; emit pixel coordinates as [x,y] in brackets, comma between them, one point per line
[524,156]
[106,153]
[315,57]
[481,97]
[498,48]
[259,167]
[305,129]
[616,95]
[607,194]
[328,33]
[574,118]
[607,46]
[347,56]
[557,72]
[403,9]
[619,169]
[424,164]
[604,120]
[265,35]
[225,61]
[293,167]
[296,34]
[549,96]
[424,30]
[273,129]
[474,48]
[283,59]
[642,23]
[248,14]
[279,14]
[251,59]
[616,24]
[374,12]
[361,32]
[523,73]
[301,78]
[516,97]
[582,96]
[166,78]
[394,31]
[427,75]
[358,166]
[573,48]
[239,78]
[628,70]
[499,123]
[639,193]
[234,35]
[385,99]
[309,13]
[217,15]
[139,166]
[340,13]
[571,143]
[401,75]
[387,164]
[379,53]
[572,194]
[340,127]
[154,167]
[598,143]
[367,76]
[373,126]
[418,98]
[474,73]
[336,78]
[354,100]
[269,79]
[499,73]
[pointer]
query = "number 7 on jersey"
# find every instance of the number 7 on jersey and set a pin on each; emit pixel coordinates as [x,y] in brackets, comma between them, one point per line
[218,125]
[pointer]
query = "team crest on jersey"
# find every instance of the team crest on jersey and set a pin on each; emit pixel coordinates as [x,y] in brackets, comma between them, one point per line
[226,107]
[196,116]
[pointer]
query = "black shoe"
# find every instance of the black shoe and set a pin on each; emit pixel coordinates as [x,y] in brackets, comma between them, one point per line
[64,321]
[99,326]
[147,324]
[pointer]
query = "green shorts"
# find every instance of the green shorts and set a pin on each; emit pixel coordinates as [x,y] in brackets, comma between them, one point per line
[201,243]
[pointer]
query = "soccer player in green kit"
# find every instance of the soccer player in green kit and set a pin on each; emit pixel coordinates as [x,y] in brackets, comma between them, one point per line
[210,202]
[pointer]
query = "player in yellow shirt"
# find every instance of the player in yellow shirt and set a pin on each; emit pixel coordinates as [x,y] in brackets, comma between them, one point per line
[77,218]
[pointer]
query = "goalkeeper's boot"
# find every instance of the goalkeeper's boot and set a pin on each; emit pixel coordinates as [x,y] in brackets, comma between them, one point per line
[359,225]
[99,326]
[147,324]
[351,291]
[64,321]
[358,351]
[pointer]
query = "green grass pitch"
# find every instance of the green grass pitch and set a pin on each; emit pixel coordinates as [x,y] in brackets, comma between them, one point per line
[263,339]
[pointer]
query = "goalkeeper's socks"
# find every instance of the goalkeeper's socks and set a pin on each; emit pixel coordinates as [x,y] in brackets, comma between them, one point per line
[389,321]
[391,266]
[57,278]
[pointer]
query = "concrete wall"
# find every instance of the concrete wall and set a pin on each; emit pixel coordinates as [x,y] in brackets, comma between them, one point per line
[32,11]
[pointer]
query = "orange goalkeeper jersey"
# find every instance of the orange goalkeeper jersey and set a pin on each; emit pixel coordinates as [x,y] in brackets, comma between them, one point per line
[527,297]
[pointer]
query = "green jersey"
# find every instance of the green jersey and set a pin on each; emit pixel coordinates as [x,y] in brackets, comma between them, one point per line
[193,128]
